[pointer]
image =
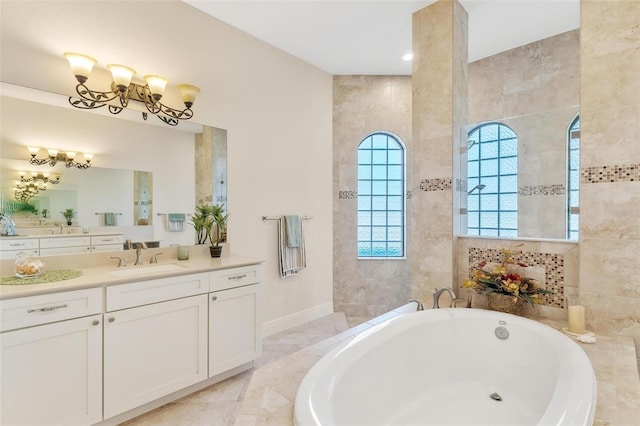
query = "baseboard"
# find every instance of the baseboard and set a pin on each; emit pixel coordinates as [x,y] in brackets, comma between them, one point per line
[289,321]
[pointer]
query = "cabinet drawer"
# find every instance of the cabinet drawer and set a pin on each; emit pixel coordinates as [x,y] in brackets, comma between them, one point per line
[46,308]
[22,244]
[64,242]
[107,239]
[13,254]
[144,292]
[235,277]
[106,247]
[64,250]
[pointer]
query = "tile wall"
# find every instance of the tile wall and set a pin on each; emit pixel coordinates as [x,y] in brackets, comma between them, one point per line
[610,160]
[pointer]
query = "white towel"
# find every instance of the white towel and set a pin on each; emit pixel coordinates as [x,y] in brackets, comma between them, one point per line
[292,259]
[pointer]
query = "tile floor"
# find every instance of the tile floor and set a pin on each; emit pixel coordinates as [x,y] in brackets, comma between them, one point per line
[265,394]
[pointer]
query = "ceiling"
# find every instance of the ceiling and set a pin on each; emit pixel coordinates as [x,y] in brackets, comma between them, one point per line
[370,37]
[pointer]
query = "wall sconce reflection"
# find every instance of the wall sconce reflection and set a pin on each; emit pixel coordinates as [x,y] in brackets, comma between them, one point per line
[69,158]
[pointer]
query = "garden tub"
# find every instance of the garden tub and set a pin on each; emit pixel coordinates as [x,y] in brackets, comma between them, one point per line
[451,367]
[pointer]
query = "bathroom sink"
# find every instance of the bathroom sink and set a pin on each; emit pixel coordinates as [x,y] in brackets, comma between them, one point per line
[137,271]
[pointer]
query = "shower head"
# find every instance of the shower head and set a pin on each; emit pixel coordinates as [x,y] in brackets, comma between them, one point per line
[479,187]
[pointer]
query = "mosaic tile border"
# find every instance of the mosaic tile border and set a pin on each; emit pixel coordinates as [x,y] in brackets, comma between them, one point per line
[553,265]
[347,195]
[436,184]
[528,190]
[614,173]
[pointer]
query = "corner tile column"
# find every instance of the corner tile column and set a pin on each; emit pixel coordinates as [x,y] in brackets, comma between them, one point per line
[610,167]
[439,118]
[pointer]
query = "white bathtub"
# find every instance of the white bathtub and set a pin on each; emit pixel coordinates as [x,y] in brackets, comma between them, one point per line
[441,367]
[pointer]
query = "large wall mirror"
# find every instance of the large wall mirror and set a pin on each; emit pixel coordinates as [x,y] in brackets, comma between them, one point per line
[141,171]
[522,141]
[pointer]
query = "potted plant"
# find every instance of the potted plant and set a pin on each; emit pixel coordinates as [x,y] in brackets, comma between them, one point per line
[219,220]
[68,214]
[202,222]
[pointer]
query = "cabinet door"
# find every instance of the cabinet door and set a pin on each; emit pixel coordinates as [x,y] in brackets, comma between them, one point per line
[151,351]
[235,327]
[52,374]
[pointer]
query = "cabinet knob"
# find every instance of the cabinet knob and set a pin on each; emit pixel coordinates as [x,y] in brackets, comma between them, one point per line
[111,319]
[95,322]
[214,298]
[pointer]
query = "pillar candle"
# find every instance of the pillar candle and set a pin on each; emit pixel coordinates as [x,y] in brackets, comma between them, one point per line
[576,319]
[183,253]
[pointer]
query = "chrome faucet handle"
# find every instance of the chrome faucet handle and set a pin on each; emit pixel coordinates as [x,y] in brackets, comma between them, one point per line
[154,258]
[121,262]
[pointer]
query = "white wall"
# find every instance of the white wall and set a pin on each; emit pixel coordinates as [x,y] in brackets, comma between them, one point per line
[276,108]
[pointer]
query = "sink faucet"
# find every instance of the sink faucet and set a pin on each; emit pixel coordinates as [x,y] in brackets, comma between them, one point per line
[437,293]
[139,248]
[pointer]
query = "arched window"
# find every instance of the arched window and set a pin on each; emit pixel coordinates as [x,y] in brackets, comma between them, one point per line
[492,199]
[573,179]
[381,207]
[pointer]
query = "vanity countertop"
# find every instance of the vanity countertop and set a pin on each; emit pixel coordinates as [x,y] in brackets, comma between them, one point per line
[98,276]
[40,236]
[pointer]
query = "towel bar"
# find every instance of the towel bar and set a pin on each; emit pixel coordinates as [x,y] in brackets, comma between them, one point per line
[265,218]
[119,214]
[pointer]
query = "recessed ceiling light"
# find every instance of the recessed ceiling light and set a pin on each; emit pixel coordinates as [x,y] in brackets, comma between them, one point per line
[407,56]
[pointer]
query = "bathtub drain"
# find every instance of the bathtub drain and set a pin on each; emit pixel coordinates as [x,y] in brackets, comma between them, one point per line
[495,396]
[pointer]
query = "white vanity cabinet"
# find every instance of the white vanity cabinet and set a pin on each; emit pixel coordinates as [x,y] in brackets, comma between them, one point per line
[10,248]
[51,359]
[112,352]
[154,346]
[235,318]
[56,246]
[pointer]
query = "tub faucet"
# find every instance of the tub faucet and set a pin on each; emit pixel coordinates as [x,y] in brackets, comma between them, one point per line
[420,307]
[437,293]
[139,248]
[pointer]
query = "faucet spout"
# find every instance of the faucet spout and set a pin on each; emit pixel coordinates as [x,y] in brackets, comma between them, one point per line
[437,293]
[139,248]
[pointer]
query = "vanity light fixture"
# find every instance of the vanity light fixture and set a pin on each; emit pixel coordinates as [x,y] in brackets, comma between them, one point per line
[69,158]
[38,177]
[124,90]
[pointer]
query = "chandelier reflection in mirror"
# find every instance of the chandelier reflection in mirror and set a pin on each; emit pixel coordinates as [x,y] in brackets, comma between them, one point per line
[69,158]
[38,177]
[124,90]
[27,187]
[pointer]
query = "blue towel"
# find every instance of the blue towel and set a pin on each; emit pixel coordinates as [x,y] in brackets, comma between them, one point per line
[175,222]
[292,226]
[110,219]
[176,217]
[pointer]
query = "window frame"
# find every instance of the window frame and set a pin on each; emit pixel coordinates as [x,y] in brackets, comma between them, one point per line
[499,229]
[403,211]
[570,129]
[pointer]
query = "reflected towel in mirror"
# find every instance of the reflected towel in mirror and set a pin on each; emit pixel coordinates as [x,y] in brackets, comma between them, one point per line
[110,219]
[175,222]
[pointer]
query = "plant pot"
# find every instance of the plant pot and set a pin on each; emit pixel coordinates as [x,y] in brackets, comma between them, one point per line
[216,251]
[69,222]
[504,303]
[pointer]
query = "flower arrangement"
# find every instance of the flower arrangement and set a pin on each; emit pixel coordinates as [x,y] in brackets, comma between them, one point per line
[505,278]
